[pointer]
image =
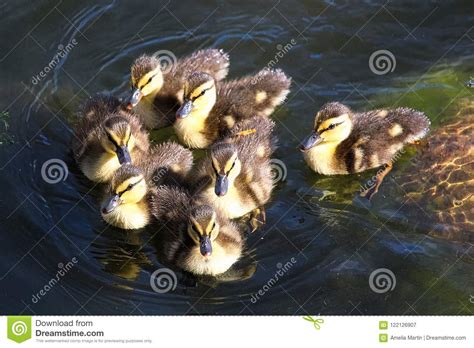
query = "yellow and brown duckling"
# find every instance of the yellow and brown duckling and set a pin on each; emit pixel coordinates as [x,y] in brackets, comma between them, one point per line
[345,142]
[210,108]
[198,239]
[107,136]
[127,199]
[157,91]
[236,177]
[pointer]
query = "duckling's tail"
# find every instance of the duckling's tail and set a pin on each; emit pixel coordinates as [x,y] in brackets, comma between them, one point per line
[212,61]
[415,123]
[271,87]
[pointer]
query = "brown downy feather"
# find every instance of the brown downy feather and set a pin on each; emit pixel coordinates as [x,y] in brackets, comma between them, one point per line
[252,143]
[174,212]
[97,113]
[215,62]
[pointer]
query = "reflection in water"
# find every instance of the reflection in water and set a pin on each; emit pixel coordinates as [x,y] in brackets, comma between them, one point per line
[336,240]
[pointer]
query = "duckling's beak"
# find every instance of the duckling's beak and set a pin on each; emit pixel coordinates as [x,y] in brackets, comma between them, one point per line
[205,246]
[222,185]
[109,205]
[185,109]
[134,98]
[123,155]
[313,140]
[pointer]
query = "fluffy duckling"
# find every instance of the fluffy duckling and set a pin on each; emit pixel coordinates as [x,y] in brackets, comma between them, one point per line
[198,239]
[208,111]
[345,142]
[126,203]
[237,177]
[106,137]
[157,91]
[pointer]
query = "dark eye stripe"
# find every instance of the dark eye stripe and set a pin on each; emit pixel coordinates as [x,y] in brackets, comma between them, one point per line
[129,187]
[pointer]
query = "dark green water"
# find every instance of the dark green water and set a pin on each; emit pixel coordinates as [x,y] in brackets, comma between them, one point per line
[335,239]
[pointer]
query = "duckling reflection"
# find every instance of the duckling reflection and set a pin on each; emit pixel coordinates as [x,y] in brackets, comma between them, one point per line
[122,254]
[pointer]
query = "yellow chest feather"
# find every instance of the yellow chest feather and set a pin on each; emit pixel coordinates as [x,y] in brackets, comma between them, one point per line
[146,110]
[129,216]
[231,204]
[219,262]
[100,169]
[190,131]
[322,159]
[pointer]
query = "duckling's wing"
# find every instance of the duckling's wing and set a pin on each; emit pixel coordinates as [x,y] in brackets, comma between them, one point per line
[214,62]
[378,135]
[257,95]
[169,163]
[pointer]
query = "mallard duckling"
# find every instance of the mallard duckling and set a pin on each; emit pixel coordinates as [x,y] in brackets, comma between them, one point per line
[208,111]
[345,142]
[157,93]
[106,137]
[126,203]
[198,239]
[237,176]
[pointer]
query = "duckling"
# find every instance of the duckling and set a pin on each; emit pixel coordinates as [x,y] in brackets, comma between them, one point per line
[157,94]
[208,111]
[127,199]
[107,136]
[196,238]
[345,142]
[237,177]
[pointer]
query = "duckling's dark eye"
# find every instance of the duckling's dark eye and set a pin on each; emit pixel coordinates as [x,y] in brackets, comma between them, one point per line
[213,226]
[151,78]
[129,187]
[331,126]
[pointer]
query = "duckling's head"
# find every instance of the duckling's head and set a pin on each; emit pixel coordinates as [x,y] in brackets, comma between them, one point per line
[332,124]
[128,186]
[117,138]
[226,166]
[146,78]
[203,228]
[199,95]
